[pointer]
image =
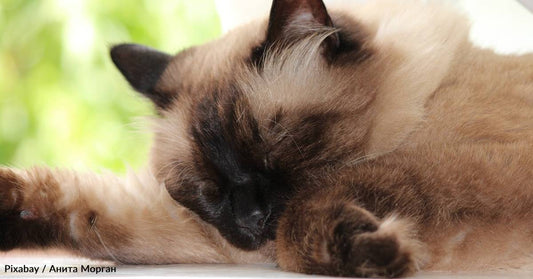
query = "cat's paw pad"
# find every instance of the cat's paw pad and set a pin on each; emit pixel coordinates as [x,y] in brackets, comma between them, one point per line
[385,250]
[374,255]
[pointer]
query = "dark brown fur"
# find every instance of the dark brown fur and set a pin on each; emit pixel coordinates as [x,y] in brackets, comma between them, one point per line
[22,224]
[370,142]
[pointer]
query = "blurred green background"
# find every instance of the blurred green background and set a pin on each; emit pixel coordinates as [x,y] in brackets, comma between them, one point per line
[62,102]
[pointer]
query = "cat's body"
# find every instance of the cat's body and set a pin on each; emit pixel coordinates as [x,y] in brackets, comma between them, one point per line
[389,146]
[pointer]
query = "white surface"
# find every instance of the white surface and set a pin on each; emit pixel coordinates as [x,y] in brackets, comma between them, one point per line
[57,258]
[503,25]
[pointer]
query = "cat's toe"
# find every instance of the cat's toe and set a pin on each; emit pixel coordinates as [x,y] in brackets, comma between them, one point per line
[372,255]
[365,247]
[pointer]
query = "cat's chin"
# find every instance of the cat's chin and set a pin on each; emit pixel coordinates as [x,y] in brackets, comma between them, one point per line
[244,239]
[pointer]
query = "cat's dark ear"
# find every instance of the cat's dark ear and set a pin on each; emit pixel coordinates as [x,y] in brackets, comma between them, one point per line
[289,19]
[143,67]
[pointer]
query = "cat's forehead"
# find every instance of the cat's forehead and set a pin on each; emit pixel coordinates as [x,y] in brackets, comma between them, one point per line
[214,61]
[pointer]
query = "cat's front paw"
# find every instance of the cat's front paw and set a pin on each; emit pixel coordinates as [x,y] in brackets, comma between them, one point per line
[366,250]
[10,200]
[16,223]
[347,241]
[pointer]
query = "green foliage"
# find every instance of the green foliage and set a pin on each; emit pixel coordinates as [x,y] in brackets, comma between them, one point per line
[62,102]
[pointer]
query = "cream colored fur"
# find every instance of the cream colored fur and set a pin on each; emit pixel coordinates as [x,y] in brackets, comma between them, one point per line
[425,38]
[429,90]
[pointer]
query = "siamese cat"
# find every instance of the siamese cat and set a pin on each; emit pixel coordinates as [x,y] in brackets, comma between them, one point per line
[372,140]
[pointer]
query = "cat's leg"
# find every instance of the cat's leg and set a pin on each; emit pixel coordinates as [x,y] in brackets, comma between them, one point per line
[131,220]
[341,239]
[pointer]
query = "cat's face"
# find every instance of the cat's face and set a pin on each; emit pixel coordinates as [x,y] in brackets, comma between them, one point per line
[246,118]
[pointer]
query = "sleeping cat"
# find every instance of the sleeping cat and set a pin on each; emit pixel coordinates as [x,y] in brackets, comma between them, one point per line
[372,140]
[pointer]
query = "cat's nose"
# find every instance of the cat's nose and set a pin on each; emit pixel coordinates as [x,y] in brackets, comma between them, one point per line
[255,221]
